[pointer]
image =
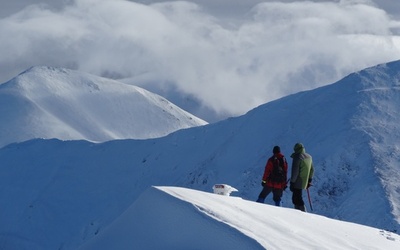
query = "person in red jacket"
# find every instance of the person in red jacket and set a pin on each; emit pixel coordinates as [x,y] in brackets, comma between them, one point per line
[275,177]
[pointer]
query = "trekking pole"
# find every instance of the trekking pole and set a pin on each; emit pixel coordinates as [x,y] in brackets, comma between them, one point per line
[286,184]
[309,199]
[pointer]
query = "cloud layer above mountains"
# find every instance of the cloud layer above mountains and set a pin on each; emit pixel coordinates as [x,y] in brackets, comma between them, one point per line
[230,63]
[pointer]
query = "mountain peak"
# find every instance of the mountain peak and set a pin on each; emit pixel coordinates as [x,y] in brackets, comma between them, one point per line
[386,75]
[349,128]
[48,102]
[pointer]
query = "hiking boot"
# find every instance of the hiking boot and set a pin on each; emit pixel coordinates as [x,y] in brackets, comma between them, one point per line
[260,200]
[301,208]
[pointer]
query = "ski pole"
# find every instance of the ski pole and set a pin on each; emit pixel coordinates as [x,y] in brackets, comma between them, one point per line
[309,199]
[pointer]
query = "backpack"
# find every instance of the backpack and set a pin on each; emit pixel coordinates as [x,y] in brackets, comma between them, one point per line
[278,174]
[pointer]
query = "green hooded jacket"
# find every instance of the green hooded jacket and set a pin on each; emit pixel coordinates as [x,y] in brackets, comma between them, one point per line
[302,167]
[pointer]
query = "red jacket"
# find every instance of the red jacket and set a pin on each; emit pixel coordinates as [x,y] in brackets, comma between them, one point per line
[268,170]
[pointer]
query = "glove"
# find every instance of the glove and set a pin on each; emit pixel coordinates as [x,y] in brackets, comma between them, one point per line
[263,183]
[291,186]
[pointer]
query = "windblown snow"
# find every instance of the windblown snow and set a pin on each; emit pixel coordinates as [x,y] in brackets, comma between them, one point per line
[190,219]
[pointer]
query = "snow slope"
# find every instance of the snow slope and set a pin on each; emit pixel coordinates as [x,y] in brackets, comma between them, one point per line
[349,127]
[179,218]
[45,102]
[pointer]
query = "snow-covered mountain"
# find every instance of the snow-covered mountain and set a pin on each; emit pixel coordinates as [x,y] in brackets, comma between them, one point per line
[45,102]
[61,194]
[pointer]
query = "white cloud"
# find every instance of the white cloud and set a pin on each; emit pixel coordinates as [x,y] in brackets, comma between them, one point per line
[278,49]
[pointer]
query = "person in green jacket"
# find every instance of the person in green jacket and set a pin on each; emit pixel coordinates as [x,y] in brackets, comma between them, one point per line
[302,174]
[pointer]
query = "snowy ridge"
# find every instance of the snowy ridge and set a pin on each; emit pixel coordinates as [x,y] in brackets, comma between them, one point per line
[45,102]
[349,128]
[186,219]
[382,95]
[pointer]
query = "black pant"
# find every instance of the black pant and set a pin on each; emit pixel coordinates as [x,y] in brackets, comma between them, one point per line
[297,197]
[276,192]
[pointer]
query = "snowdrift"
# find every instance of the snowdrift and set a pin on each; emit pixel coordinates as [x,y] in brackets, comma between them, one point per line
[180,218]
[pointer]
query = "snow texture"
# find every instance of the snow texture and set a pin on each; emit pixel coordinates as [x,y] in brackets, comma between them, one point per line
[66,194]
[190,219]
[45,102]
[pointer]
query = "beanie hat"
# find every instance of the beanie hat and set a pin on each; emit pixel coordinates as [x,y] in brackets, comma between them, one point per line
[276,149]
[297,147]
